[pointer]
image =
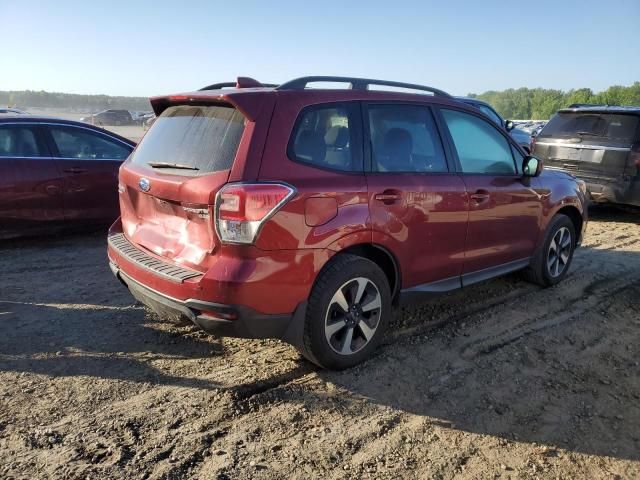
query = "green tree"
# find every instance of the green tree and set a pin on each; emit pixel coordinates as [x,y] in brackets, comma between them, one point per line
[542,103]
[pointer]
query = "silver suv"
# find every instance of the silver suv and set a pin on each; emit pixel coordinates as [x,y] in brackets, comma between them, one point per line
[598,144]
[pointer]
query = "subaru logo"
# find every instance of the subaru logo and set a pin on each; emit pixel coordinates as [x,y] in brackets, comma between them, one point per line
[144,184]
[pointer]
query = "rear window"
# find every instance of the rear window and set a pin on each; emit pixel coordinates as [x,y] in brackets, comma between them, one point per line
[197,139]
[611,126]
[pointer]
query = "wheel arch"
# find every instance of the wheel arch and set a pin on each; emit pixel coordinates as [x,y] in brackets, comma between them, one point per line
[382,257]
[575,216]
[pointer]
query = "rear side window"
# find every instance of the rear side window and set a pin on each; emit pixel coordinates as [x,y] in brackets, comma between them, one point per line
[19,141]
[610,126]
[491,114]
[404,139]
[197,139]
[324,136]
[480,147]
[84,144]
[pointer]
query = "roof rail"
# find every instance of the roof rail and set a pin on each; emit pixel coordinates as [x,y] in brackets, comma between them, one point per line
[241,82]
[358,84]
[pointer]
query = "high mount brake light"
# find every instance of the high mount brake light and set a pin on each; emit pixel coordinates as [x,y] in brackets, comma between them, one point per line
[242,209]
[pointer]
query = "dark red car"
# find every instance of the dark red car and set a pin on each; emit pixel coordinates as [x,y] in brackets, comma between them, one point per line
[305,214]
[57,173]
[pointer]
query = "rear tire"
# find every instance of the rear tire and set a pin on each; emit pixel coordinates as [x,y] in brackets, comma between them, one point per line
[347,313]
[552,260]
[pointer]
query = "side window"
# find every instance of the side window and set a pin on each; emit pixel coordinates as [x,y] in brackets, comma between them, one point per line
[324,136]
[491,114]
[404,139]
[20,141]
[480,147]
[84,144]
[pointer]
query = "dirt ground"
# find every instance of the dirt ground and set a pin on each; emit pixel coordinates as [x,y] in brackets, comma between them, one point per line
[501,380]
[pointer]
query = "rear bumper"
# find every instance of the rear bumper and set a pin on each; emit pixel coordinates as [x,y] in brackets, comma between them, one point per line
[215,318]
[268,282]
[625,190]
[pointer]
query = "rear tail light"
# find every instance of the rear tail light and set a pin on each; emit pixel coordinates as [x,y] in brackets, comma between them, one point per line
[635,154]
[242,209]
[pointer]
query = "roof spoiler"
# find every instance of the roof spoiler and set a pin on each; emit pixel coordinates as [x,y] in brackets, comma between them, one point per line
[249,103]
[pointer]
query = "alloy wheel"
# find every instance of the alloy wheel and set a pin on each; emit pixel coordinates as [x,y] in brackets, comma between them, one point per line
[353,316]
[559,252]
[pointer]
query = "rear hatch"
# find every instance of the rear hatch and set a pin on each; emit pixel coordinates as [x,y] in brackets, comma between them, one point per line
[589,144]
[168,185]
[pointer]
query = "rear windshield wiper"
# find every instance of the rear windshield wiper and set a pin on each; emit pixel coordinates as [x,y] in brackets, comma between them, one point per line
[591,134]
[180,166]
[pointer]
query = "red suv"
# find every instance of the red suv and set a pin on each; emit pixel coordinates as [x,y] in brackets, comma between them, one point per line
[306,213]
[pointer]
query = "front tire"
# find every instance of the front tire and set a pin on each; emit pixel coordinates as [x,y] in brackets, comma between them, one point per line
[347,313]
[552,261]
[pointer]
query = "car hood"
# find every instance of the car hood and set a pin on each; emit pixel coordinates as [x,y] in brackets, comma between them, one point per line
[520,135]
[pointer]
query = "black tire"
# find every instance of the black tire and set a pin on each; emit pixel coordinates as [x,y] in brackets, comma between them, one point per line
[543,270]
[324,314]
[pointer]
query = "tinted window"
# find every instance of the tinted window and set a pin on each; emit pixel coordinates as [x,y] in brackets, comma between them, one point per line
[404,139]
[84,144]
[491,114]
[19,141]
[203,137]
[619,127]
[324,137]
[480,147]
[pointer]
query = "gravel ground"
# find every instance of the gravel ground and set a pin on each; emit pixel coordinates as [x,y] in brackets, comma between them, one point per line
[501,380]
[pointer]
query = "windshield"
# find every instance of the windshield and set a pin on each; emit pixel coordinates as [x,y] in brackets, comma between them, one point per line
[193,139]
[610,126]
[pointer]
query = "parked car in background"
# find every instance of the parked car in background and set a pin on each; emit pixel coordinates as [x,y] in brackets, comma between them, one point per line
[523,138]
[147,120]
[305,214]
[598,144]
[139,118]
[57,173]
[532,127]
[12,111]
[109,118]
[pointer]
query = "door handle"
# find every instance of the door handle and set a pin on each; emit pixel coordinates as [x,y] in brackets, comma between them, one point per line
[480,196]
[75,170]
[388,197]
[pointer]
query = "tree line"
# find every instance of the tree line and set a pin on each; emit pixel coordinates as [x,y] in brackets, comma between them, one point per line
[521,103]
[542,103]
[42,99]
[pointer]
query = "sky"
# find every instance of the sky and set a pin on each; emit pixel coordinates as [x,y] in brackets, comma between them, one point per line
[143,48]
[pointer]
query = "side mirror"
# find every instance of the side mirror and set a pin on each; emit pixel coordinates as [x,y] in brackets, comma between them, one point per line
[531,166]
[509,125]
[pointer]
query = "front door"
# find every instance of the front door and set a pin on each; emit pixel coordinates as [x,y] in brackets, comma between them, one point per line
[417,203]
[504,207]
[30,184]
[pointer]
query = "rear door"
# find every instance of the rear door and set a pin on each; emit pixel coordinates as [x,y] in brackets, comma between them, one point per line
[504,207]
[417,202]
[30,183]
[89,163]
